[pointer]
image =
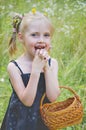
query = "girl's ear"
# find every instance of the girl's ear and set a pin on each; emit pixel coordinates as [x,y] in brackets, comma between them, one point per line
[20,37]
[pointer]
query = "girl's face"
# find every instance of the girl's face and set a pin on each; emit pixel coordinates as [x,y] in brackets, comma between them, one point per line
[37,36]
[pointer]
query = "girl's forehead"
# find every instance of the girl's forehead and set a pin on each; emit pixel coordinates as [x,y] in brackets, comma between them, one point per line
[39,25]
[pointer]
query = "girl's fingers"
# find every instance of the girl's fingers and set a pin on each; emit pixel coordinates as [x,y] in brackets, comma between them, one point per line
[42,54]
[37,52]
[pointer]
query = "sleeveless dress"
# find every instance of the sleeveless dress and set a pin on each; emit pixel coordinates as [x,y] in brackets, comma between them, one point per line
[21,117]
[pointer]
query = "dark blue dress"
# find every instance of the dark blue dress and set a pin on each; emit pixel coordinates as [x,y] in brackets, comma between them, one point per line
[21,117]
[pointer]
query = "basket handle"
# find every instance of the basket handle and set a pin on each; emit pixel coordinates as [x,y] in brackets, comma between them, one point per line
[70,89]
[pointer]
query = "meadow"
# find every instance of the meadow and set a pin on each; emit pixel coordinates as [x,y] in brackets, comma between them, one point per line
[68,45]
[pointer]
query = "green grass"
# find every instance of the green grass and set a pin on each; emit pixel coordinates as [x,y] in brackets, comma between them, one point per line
[69,45]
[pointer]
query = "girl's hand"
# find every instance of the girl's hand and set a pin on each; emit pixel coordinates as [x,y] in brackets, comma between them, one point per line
[40,60]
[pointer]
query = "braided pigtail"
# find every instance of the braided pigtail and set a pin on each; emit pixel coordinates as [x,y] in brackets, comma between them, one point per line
[12,43]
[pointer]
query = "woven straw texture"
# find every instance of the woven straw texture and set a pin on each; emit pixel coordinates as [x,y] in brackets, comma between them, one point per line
[58,115]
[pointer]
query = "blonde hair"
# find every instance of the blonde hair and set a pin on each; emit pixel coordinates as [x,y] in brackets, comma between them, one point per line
[21,23]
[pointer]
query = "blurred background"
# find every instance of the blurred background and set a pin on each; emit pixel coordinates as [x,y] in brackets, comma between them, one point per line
[68,45]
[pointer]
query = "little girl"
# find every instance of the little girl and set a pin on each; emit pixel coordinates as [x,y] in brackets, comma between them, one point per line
[32,74]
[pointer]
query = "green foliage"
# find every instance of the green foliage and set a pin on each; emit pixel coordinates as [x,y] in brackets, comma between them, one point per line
[69,44]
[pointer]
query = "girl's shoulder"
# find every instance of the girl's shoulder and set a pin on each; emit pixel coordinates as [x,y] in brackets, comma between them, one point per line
[54,64]
[12,62]
[12,66]
[21,64]
[54,61]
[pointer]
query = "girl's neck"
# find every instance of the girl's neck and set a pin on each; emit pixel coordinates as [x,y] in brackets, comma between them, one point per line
[27,57]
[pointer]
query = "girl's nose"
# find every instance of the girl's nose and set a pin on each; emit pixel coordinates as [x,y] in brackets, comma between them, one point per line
[41,40]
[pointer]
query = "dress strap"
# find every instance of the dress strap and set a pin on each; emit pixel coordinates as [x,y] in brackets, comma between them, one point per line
[13,61]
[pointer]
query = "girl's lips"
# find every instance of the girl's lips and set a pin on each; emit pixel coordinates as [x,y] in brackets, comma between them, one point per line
[40,46]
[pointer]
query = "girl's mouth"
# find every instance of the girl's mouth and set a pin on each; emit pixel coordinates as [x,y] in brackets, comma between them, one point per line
[40,46]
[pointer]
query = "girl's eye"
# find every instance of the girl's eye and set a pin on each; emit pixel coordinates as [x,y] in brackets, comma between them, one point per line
[47,35]
[33,34]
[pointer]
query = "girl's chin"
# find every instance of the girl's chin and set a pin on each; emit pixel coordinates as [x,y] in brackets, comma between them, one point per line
[34,53]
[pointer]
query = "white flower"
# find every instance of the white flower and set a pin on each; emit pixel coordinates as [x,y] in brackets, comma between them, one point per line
[2,79]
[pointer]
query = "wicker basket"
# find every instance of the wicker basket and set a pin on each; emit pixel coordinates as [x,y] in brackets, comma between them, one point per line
[59,115]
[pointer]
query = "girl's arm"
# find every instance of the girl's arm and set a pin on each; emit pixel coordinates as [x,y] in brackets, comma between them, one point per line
[51,79]
[26,94]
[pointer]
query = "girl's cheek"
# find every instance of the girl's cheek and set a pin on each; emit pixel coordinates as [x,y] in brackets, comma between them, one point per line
[48,47]
[31,44]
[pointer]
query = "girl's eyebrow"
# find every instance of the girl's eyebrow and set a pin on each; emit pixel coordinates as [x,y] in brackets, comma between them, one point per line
[39,32]
[47,32]
[43,33]
[35,32]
